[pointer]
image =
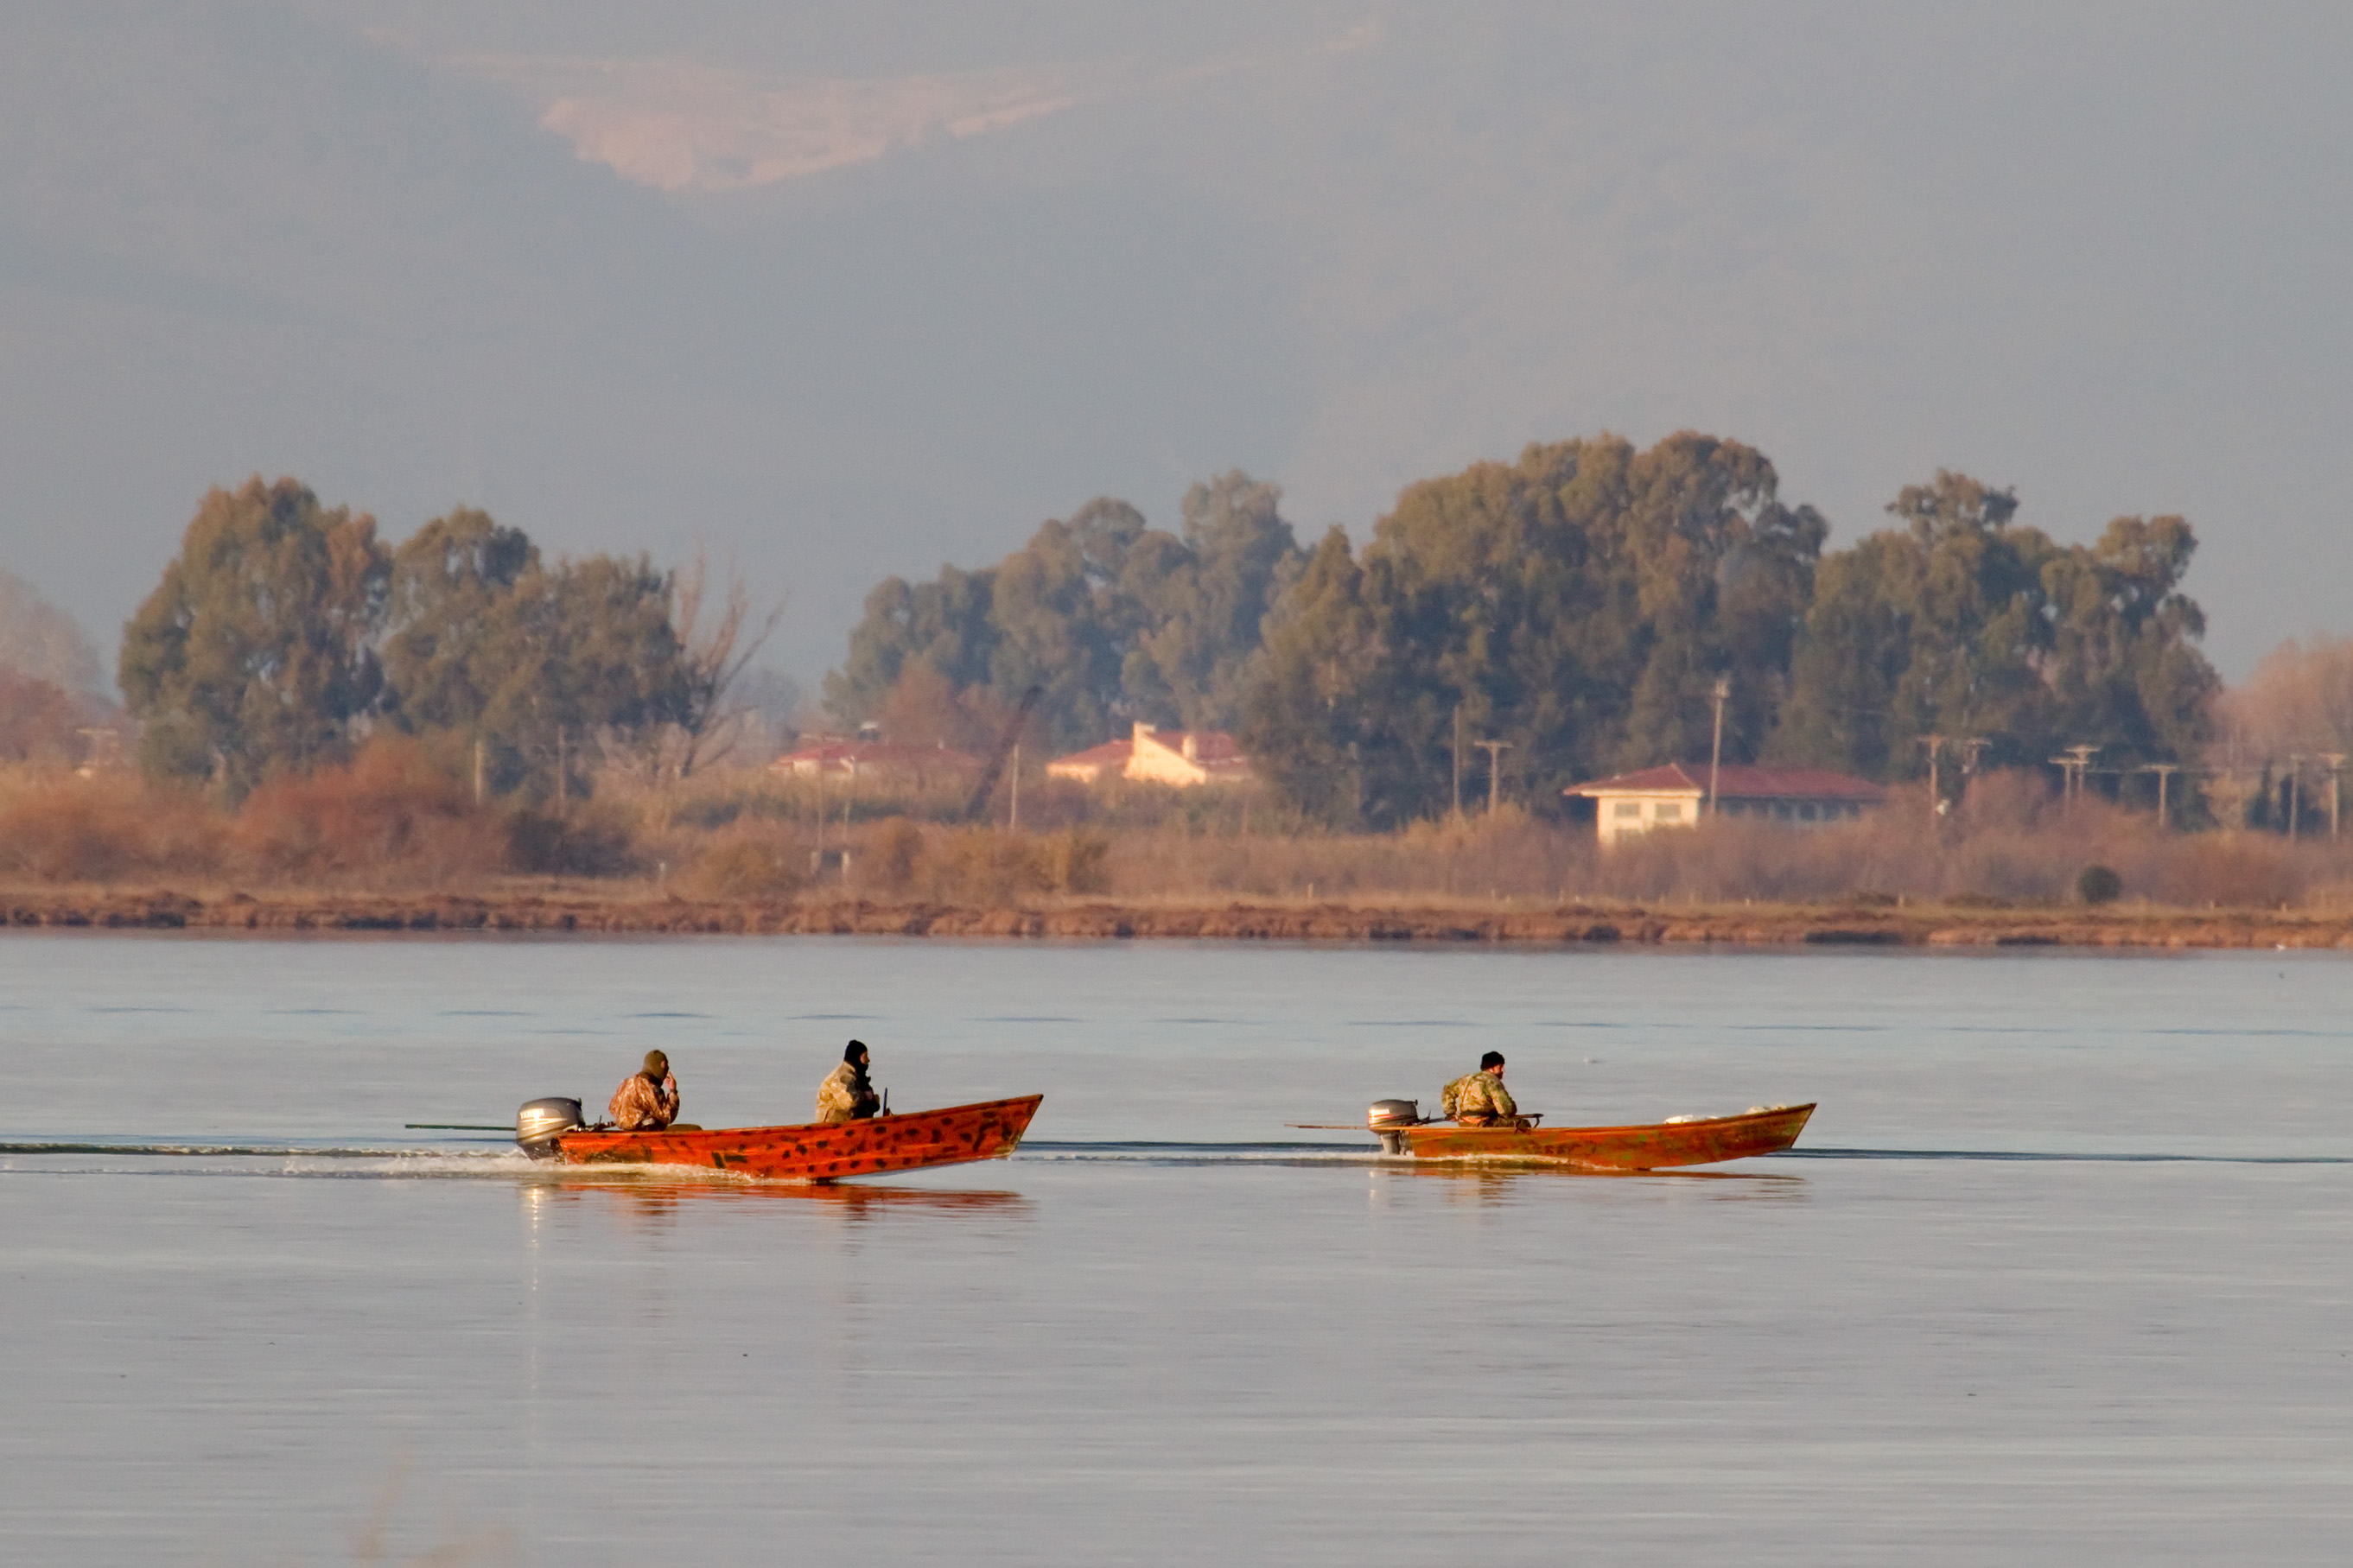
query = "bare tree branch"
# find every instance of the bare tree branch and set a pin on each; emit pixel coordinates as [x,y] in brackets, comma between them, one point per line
[716,657]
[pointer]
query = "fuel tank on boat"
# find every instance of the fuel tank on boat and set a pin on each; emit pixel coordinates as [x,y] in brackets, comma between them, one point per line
[541,1122]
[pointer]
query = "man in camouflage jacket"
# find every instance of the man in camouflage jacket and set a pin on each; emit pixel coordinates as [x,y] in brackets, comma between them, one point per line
[1479,1099]
[647,1101]
[846,1095]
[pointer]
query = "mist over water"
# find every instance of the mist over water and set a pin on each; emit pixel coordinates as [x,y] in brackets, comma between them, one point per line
[2056,1274]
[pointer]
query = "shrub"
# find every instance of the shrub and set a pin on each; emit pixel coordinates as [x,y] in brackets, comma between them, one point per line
[1072,862]
[393,811]
[69,829]
[985,866]
[2098,884]
[591,841]
[751,861]
[893,853]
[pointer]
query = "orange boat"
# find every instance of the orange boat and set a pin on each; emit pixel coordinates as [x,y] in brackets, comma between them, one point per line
[1649,1146]
[817,1151]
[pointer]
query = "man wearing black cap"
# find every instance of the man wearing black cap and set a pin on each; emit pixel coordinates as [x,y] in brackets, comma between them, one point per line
[1479,1099]
[846,1095]
[647,1101]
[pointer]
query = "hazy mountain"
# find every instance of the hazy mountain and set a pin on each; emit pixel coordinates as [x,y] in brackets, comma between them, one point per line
[842,290]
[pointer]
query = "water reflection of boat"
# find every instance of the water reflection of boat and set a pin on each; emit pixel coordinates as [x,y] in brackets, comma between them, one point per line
[1645,1146]
[819,1152]
[650,1195]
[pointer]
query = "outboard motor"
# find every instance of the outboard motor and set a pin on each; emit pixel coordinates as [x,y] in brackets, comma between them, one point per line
[1386,1116]
[541,1122]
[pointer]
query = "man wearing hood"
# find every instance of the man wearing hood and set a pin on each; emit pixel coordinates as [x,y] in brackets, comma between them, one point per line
[647,1101]
[846,1095]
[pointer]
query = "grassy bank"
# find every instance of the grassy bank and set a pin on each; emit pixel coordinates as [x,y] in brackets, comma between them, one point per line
[625,910]
[396,841]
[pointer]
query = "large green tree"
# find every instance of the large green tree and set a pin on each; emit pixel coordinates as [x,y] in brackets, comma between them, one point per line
[255,651]
[537,662]
[449,611]
[1201,602]
[1577,605]
[283,626]
[1114,619]
[1964,624]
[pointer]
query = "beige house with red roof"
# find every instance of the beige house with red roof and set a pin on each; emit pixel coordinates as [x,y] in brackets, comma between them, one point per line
[1676,796]
[1182,758]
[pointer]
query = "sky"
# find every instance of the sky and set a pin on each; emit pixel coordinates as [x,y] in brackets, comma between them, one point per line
[831,291]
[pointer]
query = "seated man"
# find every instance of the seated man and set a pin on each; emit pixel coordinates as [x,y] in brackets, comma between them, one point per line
[1479,1099]
[647,1101]
[846,1095]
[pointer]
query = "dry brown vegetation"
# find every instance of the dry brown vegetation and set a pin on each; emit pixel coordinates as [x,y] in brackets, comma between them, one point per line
[398,819]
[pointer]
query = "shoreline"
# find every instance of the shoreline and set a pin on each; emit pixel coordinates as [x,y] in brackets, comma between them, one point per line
[594,911]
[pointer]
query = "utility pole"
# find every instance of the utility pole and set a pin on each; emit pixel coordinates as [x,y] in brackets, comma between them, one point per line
[1935,743]
[1458,762]
[1972,748]
[1014,824]
[1715,749]
[1495,749]
[563,774]
[477,770]
[2336,761]
[2164,770]
[848,799]
[816,855]
[2073,767]
[2295,777]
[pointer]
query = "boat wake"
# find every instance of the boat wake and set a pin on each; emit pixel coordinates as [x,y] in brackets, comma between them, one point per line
[504,1150]
[2127,1158]
[127,1157]
[1139,1152]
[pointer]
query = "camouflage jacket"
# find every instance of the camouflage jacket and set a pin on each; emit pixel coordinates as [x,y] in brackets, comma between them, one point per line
[1476,1094]
[639,1106]
[840,1098]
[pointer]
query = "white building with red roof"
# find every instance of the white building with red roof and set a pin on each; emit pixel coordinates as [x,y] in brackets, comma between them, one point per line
[1182,758]
[1676,796]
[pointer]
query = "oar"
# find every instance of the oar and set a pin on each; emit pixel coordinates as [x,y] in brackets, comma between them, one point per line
[460,1126]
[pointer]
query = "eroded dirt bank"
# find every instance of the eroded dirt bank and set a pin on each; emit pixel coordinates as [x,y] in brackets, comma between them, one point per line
[596,911]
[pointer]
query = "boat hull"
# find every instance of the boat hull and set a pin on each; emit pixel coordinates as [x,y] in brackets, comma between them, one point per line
[821,1151]
[1651,1146]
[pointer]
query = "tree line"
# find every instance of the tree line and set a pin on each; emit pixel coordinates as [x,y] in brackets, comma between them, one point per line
[285,631]
[1116,620]
[1579,607]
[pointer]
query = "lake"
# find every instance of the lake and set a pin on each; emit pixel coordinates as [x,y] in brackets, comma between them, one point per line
[2058,1274]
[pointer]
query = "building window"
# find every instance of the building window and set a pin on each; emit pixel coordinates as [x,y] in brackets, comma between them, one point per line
[1806,812]
[1625,809]
[1668,810]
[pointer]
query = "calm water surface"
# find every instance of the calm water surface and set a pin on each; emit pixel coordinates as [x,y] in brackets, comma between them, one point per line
[2059,1275]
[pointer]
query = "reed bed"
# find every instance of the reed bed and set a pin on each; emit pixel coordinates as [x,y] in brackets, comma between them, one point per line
[398,818]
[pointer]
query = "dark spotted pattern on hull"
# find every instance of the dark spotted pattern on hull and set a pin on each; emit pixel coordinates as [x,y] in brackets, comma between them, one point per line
[1653,1146]
[823,1151]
